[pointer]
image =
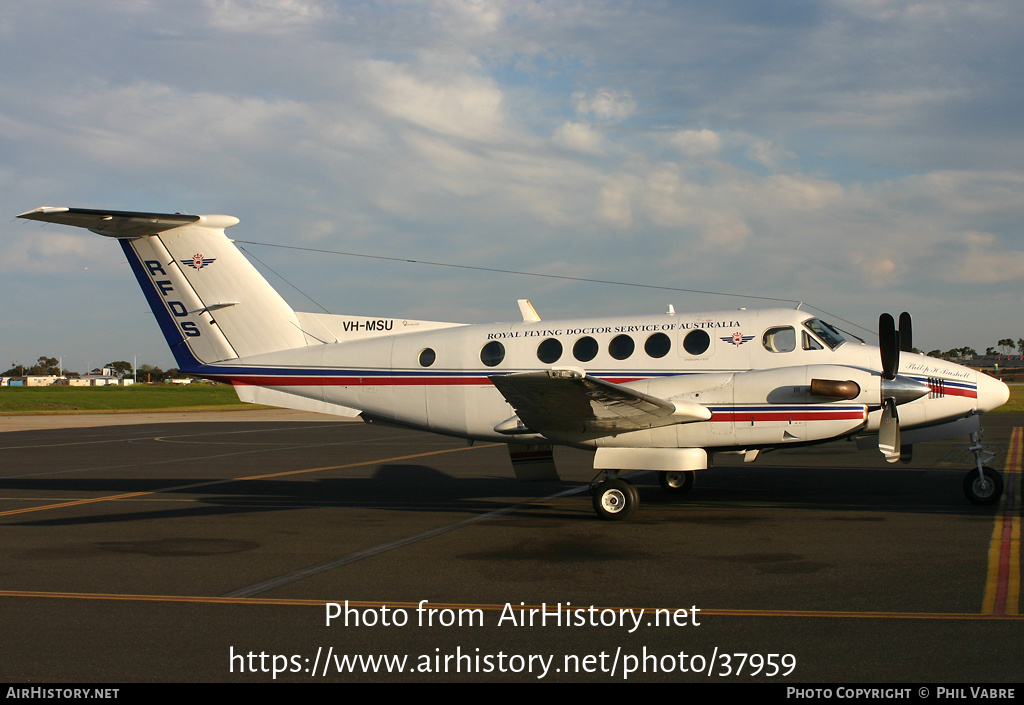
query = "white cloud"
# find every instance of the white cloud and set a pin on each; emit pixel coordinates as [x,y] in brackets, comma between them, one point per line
[697,144]
[605,104]
[768,153]
[969,192]
[158,124]
[44,250]
[483,16]
[981,258]
[579,137]
[616,201]
[274,16]
[456,105]
[877,272]
[797,192]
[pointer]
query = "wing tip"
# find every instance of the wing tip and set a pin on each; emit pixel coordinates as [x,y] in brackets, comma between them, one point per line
[43,210]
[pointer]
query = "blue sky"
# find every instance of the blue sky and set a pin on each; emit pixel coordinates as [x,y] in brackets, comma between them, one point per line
[862,156]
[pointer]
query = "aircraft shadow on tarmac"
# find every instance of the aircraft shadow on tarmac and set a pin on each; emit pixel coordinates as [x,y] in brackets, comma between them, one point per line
[719,493]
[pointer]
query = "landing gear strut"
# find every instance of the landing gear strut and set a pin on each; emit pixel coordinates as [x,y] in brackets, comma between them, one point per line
[982,485]
[614,498]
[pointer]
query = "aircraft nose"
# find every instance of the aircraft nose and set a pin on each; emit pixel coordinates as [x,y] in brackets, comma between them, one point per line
[992,393]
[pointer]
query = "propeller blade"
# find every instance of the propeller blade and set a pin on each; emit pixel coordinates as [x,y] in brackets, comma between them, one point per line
[906,334]
[889,344]
[889,431]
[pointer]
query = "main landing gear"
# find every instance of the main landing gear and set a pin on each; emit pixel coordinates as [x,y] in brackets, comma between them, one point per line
[982,485]
[616,498]
[679,482]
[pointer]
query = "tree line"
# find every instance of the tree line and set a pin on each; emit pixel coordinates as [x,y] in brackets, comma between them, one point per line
[1006,346]
[50,366]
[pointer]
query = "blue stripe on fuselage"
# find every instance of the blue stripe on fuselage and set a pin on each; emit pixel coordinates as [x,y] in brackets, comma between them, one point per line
[187,362]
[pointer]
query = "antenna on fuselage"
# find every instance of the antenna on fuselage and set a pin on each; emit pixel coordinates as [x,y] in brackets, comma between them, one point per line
[528,312]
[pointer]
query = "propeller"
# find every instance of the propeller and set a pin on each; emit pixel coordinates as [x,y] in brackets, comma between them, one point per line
[889,431]
[906,341]
[889,344]
[894,389]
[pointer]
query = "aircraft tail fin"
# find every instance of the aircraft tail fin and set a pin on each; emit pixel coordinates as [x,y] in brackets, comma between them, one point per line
[211,303]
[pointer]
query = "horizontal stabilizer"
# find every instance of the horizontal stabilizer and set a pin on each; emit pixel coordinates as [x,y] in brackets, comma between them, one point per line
[121,224]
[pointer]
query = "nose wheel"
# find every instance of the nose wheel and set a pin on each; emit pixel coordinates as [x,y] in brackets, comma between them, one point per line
[983,489]
[982,485]
[615,499]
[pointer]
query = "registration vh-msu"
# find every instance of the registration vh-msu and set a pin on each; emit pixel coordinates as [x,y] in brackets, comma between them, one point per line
[659,393]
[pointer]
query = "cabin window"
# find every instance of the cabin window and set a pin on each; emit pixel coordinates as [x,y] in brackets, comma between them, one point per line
[697,342]
[492,354]
[549,351]
[585,349]
[779,340]
[427,357]
[658,345]
[621,347]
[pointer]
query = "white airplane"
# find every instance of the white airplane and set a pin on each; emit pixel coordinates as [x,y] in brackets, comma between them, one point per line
[659,392]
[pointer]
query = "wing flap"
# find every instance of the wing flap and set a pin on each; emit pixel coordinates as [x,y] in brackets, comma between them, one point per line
[570,401]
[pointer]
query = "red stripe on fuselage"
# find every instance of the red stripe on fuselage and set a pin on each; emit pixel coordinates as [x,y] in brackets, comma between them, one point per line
[356,381]
[370,380]
[958,392]
[809,415]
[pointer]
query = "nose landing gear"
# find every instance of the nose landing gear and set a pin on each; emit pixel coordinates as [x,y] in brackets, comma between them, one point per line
[982,485]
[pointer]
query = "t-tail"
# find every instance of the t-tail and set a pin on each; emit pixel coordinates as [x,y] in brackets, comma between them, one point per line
[211,303]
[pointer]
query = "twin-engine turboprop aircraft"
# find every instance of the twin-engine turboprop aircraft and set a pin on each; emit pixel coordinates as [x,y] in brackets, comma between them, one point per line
[654,393]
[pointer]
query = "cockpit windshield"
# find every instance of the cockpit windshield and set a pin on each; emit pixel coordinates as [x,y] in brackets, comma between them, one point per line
[826,333]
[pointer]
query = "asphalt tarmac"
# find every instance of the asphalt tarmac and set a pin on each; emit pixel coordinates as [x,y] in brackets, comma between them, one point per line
[204,548]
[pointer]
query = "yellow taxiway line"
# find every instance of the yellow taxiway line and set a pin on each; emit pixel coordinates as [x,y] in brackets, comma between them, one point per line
[1002,589]
[411,606]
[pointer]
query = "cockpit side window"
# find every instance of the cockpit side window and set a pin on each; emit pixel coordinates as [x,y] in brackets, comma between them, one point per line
[810,342]
[780,339]
[825,333]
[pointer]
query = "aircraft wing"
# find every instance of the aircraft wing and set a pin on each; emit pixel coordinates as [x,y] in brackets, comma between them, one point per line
[569,400]
[121,224]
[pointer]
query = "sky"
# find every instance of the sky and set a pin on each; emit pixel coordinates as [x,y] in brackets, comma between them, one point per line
[861,156]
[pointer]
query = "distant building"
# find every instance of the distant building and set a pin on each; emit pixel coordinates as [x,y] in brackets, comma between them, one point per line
[104,380]
[31,381]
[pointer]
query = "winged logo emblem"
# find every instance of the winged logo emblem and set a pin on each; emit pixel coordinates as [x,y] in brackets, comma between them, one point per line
[198,261]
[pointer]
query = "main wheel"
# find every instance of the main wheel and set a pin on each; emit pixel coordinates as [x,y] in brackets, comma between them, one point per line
[983,492]
[615,500]
[677,482]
